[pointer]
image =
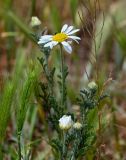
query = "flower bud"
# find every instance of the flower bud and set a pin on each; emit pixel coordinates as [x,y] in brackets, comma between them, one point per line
[65,122]
[93,86]
[35,22]
[77,125]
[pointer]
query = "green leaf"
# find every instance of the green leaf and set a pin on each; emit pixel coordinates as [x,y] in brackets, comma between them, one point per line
[8,94]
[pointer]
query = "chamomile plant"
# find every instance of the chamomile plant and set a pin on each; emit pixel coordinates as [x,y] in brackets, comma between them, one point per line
[63,38]
[74,135]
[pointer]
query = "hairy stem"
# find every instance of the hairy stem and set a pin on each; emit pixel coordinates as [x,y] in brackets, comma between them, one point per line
[62,72]
[64,145]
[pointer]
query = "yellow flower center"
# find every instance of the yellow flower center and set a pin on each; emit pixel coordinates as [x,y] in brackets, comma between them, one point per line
[60,37]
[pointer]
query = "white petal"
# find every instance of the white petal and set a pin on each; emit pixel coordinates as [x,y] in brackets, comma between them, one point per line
[74,31]
[55,43]
[45,37]
[69,29]
[51,44]
[43,41]
[64,28]
[75,37]
[76,41]
[67,47]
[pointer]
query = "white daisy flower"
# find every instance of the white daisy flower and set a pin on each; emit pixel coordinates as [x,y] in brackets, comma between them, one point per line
[63,38]
[65,122]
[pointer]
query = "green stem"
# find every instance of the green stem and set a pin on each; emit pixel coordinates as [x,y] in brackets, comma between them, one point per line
[64,145]
[19,146]
[62,72]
